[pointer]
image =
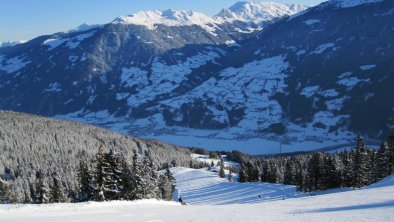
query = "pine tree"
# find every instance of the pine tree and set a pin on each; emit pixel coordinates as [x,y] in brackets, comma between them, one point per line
[149,179]
[273,172]
[289,175]
[137,182]
[126,183]
[171,179]
[166,185]
[230,176]
[41,189]
[256,173]
[243,177]
[391,152]
[300,177]
[221,171]
[347,176]
[86,189]
[56,193]
[331,178]
[314,173]
[360,164]
[382,162]
[264,172]
[100,175]
[249,171]
[5,192]
[111,176]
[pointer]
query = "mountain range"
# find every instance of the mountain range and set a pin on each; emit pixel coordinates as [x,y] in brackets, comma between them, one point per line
[253,77]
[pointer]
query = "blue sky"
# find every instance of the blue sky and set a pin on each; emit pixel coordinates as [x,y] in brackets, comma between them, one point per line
[26,19]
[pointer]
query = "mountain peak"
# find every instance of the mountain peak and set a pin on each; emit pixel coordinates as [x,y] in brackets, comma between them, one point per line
[12,43]
[257,12]
[84,27]
[169,17]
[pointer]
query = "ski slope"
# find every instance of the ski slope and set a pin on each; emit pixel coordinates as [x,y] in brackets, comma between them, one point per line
[213,199]
[205,187]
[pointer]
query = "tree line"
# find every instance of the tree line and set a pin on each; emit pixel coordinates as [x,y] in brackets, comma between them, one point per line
[358,167]
[111,178]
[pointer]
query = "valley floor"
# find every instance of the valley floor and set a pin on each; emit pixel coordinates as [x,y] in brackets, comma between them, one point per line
[213,199]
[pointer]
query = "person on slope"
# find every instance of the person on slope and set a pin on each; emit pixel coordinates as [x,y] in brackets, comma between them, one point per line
[181,201]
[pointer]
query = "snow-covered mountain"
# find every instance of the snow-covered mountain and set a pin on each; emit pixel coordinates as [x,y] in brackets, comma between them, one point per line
[11,43]
[258,12]
[189,79]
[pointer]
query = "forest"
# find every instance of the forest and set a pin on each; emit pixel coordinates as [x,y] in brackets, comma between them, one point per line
[356,168]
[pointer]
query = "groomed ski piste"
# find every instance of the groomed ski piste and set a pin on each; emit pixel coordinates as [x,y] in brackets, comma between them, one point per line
[211,198]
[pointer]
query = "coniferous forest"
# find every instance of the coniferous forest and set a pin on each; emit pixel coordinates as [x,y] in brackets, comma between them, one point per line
[356,168]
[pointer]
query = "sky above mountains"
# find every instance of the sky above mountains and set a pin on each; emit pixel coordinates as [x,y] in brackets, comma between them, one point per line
[26,19]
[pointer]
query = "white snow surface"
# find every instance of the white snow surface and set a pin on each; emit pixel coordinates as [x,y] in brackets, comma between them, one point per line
[311,21]
[13,64]
[213,199]
[54,43]
[11,43]
[258,12]
[322,48]
[367,67]
[250,12]
[206,159]
[151,19]
[84,27]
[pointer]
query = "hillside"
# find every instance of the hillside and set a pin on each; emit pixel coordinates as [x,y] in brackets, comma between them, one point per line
[368,204]
[29,144]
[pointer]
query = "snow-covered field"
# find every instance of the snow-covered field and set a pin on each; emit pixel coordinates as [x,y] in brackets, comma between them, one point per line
[214,199]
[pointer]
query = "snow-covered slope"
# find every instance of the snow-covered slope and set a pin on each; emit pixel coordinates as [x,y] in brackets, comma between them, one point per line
[204,187]
[11,43]
[151,19]
[257,12]
[201,189]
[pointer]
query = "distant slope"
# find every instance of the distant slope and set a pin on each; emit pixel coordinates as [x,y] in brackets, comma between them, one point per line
[204,187]
[30,143]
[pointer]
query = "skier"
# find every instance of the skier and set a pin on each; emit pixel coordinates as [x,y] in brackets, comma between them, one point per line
[181,201]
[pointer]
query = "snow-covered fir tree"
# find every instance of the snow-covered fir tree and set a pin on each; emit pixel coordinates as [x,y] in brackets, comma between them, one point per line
[167,185]
[86,188]
[56,192]
[221,170]
[5,192]
[41,189]
[360,164]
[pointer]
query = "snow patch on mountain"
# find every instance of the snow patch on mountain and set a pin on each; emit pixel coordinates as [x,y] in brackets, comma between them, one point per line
[13,64]
[165,78]
[322,48]
[348,81]
[11,43]
[253,84]
[311,21]
[367,67]
[54,87]
[84,27]
[75,41]
[134,77]
[54,43]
